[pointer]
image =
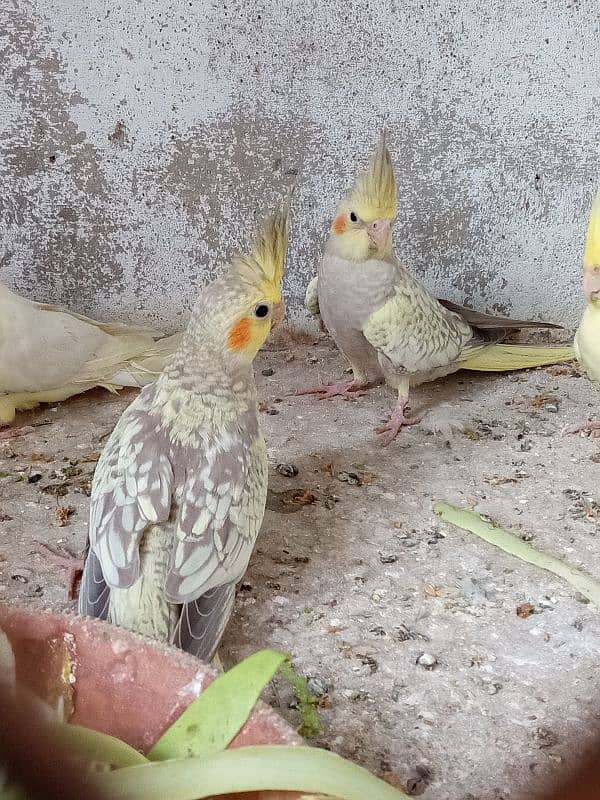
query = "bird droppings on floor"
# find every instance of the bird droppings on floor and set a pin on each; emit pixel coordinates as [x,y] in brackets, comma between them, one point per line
[439,661]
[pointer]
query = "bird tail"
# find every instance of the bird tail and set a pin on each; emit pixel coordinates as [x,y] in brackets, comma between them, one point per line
[128,360]
[501,357]
[139,370]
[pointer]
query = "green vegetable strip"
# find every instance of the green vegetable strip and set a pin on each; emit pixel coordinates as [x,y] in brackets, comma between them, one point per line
[512,544]
[215,717]
[247,769]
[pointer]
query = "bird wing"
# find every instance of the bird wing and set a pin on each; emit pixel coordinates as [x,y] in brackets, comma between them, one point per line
[311,297]
[219,507]
[132,489]
[220,513]
[413,330]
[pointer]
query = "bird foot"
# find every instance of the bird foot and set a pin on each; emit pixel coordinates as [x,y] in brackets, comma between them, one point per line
[63,558]
[345,389]
[590,428]
[396,423]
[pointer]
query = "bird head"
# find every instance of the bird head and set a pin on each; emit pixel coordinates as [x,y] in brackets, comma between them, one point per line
[236,312]
[591,258]
[362,228]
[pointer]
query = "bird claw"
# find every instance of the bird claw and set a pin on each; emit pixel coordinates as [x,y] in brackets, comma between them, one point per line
[590,428]
[63,558]
[395,424]
[345,389]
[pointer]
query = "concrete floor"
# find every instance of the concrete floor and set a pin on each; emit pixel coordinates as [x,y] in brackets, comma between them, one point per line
[355,576]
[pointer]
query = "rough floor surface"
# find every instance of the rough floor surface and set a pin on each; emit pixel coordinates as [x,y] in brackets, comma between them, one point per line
[408,627]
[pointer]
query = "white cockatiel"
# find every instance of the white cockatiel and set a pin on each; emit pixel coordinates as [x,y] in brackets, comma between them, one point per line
[179,492]
[384,320]
[48,354]
[587,338]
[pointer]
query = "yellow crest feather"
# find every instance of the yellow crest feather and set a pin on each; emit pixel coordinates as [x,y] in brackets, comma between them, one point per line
[374,194]
[265,266]
[591,256]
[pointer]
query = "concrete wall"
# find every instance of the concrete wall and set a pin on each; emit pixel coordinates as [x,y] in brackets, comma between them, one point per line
[139,139]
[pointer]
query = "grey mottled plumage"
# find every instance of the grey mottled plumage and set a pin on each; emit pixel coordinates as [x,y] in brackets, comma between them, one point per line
[179,491]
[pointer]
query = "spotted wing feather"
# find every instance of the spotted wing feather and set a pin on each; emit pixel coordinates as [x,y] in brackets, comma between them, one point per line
[414,331]
[132,489]
[221,510]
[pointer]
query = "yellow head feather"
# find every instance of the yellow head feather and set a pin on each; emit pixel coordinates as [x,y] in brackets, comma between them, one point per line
[591,258]
[264,268]
[374,194]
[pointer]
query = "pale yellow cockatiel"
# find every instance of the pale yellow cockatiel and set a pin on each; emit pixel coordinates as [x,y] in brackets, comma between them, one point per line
[179,492]
[587,338]
[48,354]
[384,320]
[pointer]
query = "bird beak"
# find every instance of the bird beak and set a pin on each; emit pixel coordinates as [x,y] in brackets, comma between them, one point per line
[591,284]
[379,231]
[278,313]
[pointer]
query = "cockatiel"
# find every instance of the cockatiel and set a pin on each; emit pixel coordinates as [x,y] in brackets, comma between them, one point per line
[587,338]
[48,354]
[179,492]
[384,320]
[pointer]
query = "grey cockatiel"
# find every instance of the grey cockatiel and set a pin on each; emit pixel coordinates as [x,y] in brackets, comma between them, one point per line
[384,320]
[48,354]
[179,492]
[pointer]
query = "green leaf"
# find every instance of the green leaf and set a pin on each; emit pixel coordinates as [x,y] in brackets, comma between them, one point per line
[311,722]
[95,746]
[247,769]
[515,546]
[215,717]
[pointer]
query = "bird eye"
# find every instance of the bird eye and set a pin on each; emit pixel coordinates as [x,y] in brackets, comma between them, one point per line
[353,217]
[261,311]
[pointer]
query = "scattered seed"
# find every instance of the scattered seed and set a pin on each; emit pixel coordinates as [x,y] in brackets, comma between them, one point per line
[427,660]
[287,470]
[544,737]
[525,610]
[42,457]
[57,489]
[62,515]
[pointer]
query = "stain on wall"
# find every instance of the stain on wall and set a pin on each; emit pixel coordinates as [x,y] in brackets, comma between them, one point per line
[140,143]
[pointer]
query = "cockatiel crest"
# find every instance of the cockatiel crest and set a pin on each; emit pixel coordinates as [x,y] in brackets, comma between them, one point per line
[362,226]
[256,280]
[591,258]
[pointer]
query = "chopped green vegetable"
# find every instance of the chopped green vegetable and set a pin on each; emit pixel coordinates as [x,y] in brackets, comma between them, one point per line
[247,769]
[311,722]
[515,546]
[215,717]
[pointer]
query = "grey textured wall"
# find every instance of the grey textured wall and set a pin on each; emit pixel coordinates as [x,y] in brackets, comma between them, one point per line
[139,140]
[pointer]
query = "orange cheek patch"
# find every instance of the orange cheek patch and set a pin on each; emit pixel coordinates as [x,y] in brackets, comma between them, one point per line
[339,224]
[240,334]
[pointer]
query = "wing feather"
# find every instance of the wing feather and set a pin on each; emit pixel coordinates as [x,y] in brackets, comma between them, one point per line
[414,331]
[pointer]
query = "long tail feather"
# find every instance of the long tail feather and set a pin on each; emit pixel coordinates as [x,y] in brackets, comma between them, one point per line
[509,357]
